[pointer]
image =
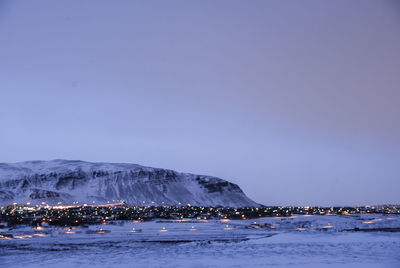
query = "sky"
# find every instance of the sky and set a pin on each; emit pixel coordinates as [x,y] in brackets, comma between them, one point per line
[298,102]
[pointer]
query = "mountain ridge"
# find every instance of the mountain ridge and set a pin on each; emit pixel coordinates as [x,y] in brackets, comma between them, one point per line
[69,181]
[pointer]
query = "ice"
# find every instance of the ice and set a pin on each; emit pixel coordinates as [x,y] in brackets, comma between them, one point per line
[162,243]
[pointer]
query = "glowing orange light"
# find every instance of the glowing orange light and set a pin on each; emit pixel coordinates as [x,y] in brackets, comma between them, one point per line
[227,227]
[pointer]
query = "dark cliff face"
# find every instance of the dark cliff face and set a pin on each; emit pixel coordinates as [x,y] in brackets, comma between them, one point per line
[219,187]
[101,182]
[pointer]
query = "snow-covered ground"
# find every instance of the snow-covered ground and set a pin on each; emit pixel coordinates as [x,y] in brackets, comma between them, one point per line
[298,241]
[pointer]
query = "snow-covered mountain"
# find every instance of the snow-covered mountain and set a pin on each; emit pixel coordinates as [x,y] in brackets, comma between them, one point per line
[68,181]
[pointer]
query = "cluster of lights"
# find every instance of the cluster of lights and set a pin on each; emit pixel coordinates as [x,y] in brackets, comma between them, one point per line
[77,214]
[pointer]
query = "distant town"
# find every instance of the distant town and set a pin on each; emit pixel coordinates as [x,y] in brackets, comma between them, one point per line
[76,215]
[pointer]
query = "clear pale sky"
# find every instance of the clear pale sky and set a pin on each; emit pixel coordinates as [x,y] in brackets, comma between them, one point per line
[296,101]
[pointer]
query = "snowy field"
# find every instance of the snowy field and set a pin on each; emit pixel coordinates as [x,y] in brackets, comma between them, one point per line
[297,241]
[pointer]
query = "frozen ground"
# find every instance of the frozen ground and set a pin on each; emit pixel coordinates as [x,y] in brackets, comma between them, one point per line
[298,241]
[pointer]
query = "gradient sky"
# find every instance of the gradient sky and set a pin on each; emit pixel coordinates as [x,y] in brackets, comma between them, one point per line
[296,101]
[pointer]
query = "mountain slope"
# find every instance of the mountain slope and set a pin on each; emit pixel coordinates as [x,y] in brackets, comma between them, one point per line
[67,181]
